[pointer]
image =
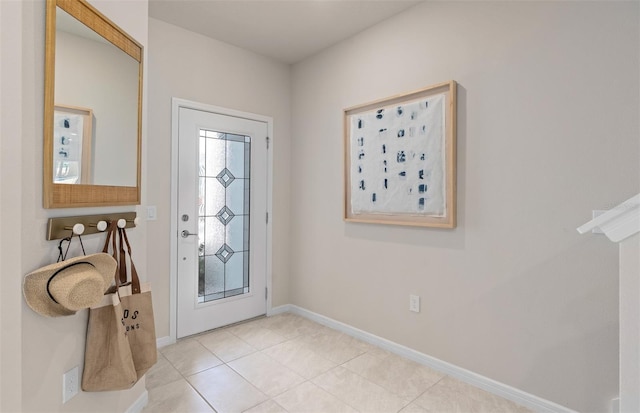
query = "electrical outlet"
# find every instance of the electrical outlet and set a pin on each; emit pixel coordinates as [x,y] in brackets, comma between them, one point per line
[70,384]
[414,303]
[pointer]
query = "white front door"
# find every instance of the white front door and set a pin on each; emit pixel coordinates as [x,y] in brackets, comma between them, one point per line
[221,219]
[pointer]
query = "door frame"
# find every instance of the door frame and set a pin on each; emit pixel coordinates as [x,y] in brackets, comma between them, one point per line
[176,104]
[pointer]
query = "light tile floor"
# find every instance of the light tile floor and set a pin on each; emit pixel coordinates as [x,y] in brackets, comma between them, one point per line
[287,363]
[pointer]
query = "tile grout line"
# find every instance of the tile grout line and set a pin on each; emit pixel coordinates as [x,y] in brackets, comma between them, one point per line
[304,344]
[310,380]
[269,397]
[189,383]
[374,383]
[334,395]
[425,391]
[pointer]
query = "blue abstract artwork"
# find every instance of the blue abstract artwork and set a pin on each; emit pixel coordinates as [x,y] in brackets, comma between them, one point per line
[397,159]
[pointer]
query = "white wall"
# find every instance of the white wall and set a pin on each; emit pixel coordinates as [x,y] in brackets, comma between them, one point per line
[548,104]
[36,350]
[193,67]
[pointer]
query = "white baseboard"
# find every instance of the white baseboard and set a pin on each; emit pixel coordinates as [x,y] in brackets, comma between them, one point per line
[520,397]
[615,405]
[279,310]
[165,341]
[139,404]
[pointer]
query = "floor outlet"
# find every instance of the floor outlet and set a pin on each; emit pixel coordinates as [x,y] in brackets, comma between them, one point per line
[414,303]
[70,384]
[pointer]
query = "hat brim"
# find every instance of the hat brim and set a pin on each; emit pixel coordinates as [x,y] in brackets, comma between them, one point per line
[35,283]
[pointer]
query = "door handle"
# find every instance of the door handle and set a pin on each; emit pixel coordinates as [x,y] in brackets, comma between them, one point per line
[186,233]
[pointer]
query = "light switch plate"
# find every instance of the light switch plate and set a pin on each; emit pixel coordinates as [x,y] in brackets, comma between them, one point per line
[152,213]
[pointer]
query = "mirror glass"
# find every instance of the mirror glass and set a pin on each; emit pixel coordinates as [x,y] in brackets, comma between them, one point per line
[95,76]
[92,109]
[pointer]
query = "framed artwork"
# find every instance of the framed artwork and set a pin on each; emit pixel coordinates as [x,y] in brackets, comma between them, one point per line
[72,137]
[400,159]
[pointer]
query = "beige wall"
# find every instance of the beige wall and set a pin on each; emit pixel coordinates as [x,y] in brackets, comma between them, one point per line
[630,324]
[547,131]
[36,350]
[193,67]
[10,209]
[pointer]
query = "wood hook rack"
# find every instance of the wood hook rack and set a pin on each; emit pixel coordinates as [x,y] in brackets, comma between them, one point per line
[58,228]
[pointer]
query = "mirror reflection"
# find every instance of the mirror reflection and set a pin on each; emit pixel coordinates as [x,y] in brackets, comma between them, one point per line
[95,131]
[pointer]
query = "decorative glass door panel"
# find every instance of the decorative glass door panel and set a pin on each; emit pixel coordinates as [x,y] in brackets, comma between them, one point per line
[223,214]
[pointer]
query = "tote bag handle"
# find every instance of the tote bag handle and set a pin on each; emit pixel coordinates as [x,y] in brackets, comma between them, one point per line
[135,280]
[120,275]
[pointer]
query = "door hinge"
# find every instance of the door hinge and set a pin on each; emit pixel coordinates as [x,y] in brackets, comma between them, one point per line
[266,291]
[267,142]
[267,218]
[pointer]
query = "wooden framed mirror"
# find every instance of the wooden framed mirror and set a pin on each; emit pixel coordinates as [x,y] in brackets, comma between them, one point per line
[92,109]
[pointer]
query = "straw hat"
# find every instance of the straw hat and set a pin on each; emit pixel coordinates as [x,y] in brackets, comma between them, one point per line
[68,286]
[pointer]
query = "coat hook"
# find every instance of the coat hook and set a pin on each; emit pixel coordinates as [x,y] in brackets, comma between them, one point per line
[78,229]
[123,222]
[101,225]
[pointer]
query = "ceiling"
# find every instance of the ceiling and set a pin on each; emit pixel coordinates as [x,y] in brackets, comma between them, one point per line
[286,30]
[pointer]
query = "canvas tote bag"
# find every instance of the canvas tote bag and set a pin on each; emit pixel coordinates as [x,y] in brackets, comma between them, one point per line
[137,316]
[108,364]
